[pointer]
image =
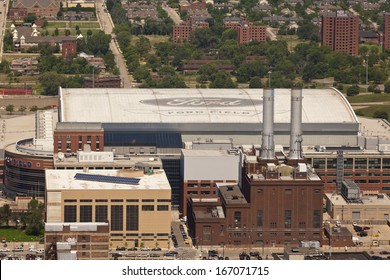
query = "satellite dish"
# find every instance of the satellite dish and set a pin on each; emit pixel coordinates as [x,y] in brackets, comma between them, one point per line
[61,156]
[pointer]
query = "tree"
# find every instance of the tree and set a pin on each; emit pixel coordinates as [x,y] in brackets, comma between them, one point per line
[34,218]
[10,108]
[381,115]
[30,18]
[50,82]
[222,80]
[353,90]
[141,73]
[22,109]
[387,87]
[5,214]
[33,108]
[56,32]
[255,82]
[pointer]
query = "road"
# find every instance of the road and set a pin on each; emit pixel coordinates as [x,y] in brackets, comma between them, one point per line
[107,26]
[3,15]
[172,14]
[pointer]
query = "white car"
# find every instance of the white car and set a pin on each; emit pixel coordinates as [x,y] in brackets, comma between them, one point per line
[5,250]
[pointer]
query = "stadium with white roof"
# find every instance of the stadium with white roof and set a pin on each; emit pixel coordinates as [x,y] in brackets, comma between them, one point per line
[190,114]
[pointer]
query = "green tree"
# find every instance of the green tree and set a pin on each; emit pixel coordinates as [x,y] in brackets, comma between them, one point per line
[381,115]
[5,214]
[22,109]
[141,73]
[143,45]
[56,32]
[50,82]
[33,108]
[222,80]
[30,18]
[34,220]
[387,87]
[10,108]
[255,82]
[353,90]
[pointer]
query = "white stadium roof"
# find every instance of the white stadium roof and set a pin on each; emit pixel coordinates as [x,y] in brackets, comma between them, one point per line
[171,106]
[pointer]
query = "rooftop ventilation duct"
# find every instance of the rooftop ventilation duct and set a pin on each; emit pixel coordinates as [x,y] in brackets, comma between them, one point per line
[267,144]
[296,125]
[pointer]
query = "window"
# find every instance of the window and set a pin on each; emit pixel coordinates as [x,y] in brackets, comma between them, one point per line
[80,143]
[101,213]
[162,207]
[70,213]
[86,213]
[59,143]
[116,217]
[287,218]
[147,200]
[259,218]
[163,200]
[132,200]
[288,191]
[132,217]
[147,207]
[85,200]
[316,218]
[302,224]
[116,200]
[101,200]
[70,200]
[272,224]
[237,219]
[207,233]
[68,143]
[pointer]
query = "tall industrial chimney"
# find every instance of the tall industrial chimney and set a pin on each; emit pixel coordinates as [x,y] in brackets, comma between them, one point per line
[296,125]
[267,144]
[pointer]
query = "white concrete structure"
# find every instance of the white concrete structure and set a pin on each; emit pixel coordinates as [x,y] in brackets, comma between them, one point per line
[327,117]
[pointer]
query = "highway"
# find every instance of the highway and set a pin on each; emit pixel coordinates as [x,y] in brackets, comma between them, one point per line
[107,26]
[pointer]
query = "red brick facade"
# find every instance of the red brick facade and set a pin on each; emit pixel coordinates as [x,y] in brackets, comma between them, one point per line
[69,48]
[182,32]
[386,33]
[71,141]
[341,33]
[42,8]
[247,32]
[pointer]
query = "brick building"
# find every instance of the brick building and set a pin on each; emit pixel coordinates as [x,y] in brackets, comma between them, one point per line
[102,82]
[386,33]
[41,8]
[17,14]
[183,31]
[71,137]
[69,48]
[246,31]
[87,241]
[340,31]
[279,202]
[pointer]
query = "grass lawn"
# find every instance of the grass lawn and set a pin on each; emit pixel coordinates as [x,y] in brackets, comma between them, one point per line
[385,97]
[17,235]
[369,111]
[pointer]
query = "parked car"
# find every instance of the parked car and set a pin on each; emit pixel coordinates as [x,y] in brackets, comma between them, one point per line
[5,250]
[363,233]
[145,249]
[120,248]
[253,254]
[156,249]
[154,255]
[18,249]
[244,256]
[384,253]
[376,258]
[358,229]
[168,254]
[132,249]
[366,228]
[213,253]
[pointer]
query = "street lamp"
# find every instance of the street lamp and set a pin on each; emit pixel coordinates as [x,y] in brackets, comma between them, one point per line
[367,55]
[269,78]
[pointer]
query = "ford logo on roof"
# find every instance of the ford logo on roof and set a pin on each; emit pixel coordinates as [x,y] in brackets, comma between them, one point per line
[202,102]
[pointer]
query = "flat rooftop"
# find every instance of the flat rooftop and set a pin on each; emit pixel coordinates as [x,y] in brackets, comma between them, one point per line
[367,200]
[232,194]
[136,105]
[128,161]
[206,153]
[64,180]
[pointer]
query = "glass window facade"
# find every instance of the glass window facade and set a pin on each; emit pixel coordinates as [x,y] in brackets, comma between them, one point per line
[116,217]
[86,213]
[132,217]
[101,213]
[70,213]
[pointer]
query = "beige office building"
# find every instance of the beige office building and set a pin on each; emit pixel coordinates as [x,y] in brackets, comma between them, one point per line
[136,205]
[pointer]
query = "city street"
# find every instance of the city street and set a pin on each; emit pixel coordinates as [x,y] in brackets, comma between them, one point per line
[108,26]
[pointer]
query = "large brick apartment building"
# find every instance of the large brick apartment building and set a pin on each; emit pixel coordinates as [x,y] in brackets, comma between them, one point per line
[340,31]
[386,33]
[246,31]
[42,8]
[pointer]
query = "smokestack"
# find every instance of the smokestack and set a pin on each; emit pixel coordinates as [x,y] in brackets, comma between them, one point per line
[296,125]
[268,145]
